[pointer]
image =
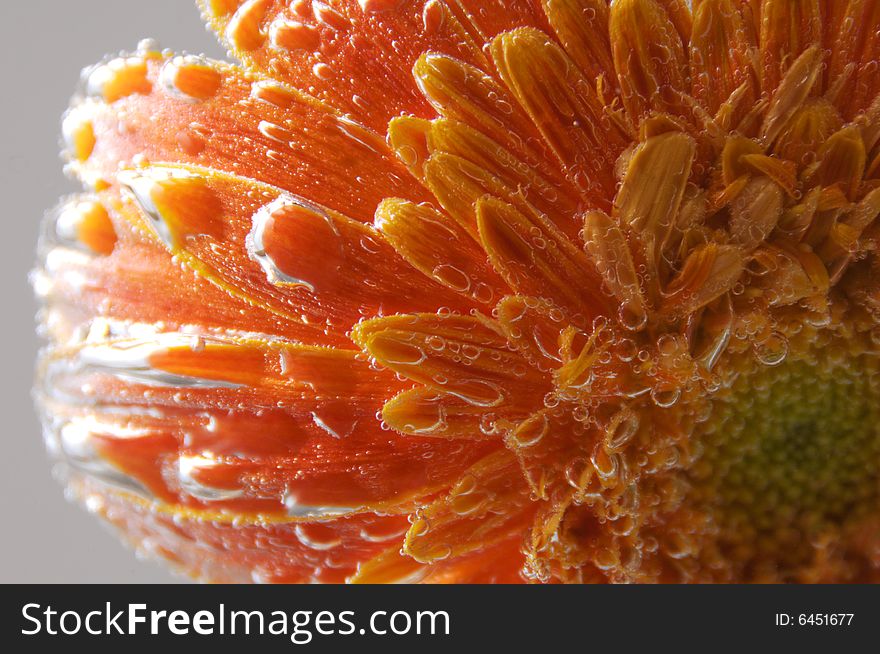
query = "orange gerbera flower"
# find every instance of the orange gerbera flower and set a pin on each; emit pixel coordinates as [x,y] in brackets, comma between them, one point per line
[480,291]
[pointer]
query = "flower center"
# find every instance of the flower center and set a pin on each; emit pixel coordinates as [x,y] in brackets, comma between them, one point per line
[792,452]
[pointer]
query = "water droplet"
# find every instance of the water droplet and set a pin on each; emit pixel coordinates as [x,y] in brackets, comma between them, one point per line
[478,392]
[296,244]
[621,429]
[293,35]
[191,78]
[188,469]
[297,509]
[317,537]
[244,30]
[531,432]
[179,205]
[772,350]
[337,426]
[453,277]
[665,395]
[632,315]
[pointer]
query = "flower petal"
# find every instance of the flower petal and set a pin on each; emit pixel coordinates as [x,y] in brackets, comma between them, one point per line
[787,29]
[649,58]
[720,55]
[272,463]
[582,28]
[277,251]
[852,40]
[553,196]
[608,248]
[791,93]
[470,96]
[459,355]
[489,503]
[426,411]
[653,188]
[564,107]
[245,126]
[755,212]
[708,272]
[537,260]
[440,248]
[138,282]
[343,51]
[499,563]
[532,327]
[210,547]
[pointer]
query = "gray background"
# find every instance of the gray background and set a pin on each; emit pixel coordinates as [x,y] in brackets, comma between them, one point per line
[43,46]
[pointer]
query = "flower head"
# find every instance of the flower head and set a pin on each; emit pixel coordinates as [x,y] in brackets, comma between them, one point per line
[479,290]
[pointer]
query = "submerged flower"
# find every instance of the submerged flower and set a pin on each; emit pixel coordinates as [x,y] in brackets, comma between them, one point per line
[479,291]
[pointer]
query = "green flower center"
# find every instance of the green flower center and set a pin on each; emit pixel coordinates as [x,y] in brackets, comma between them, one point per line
[792,452]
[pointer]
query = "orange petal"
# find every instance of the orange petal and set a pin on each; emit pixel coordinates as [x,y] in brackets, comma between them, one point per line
[537,260]
[852,39]
[788,27]
[842,161]
[553,449]
[209,547]
[428,412]
[708,272]
[653,188]
[491,17]
[458,185]
[319,464]
[498,563]
[459,355]
[732,165]
[489,503]
[408,137]
[649,58]
[470,96]
[791,93]
[136,281]
[440,248]
[582,28]
[680,14]
[553,196]
[390,567]
[794,272]
[281,253]
[783,172]
[720,54]
[253,128]
[213,371]
[532,327]
[565,108]
[755,212]
[341,51]
[610,252]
